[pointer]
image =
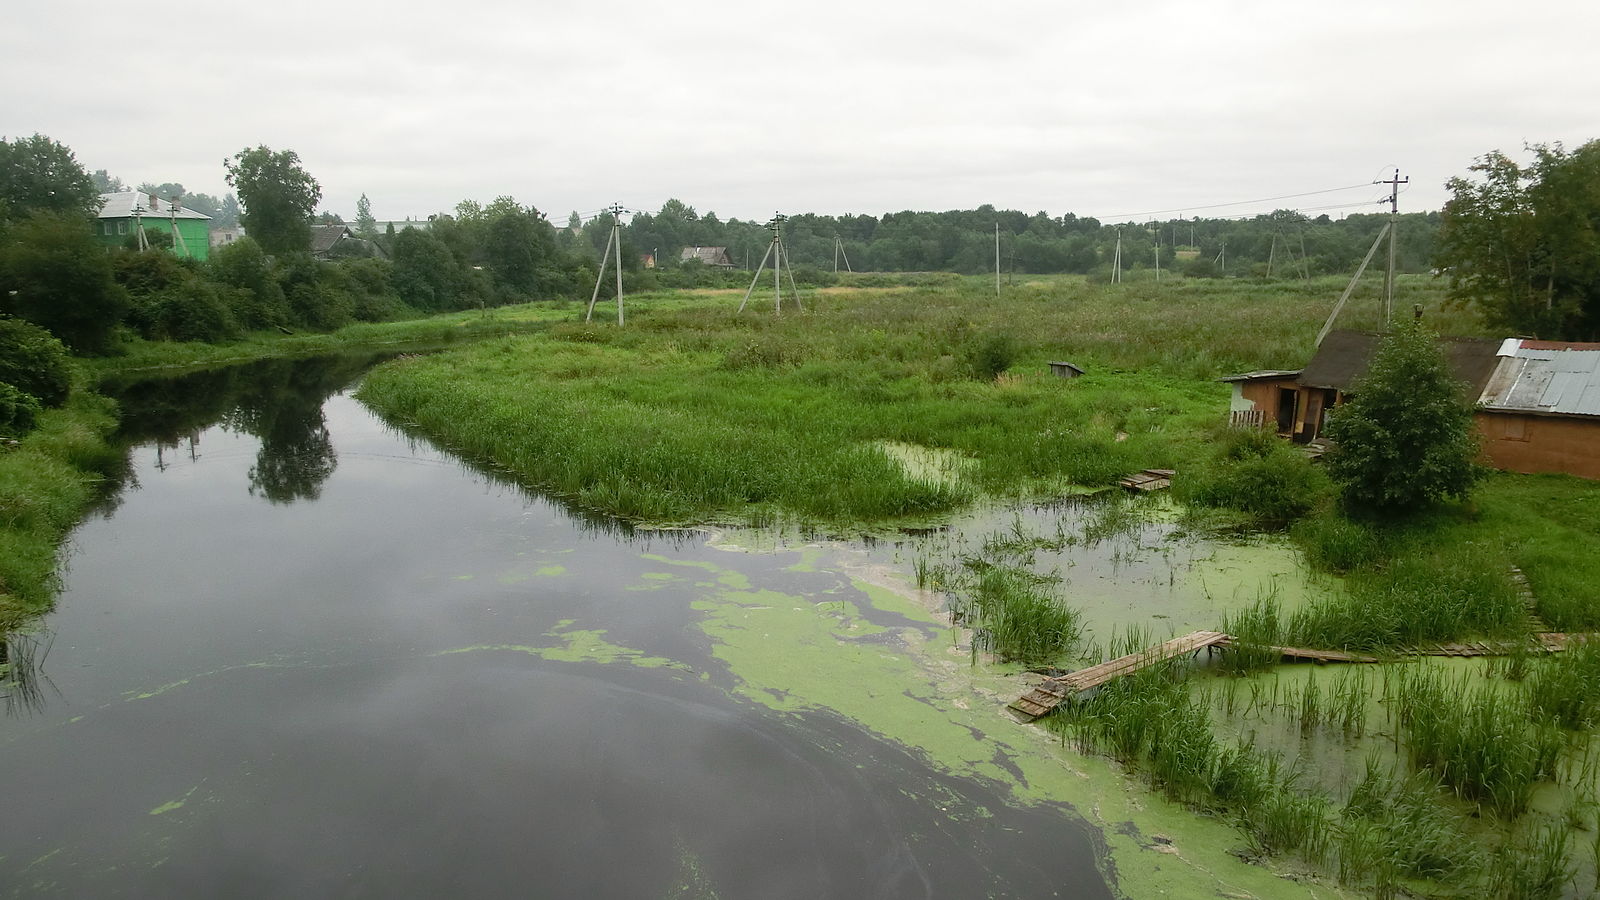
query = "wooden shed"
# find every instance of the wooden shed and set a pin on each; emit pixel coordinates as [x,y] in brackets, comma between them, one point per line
[1540,411]
[1065,370]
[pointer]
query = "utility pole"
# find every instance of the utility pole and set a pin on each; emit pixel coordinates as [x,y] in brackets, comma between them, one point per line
[1158,253]
[1116,261]
[613,240]
[1394,210]
[997,259]
[838,251]
[777,253]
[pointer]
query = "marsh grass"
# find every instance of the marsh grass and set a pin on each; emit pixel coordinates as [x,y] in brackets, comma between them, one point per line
[1566,686]
[46,483]
[1015,616]
[1484,741]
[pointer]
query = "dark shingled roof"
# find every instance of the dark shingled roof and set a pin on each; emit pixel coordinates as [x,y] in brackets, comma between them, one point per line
[323,237]
[1342,360]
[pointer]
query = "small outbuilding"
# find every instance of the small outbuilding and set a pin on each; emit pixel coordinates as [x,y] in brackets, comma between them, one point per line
[1540,411]
[1065,370]
[1538,401]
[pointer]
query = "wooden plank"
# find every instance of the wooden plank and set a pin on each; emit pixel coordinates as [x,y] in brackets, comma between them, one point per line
[1049,694]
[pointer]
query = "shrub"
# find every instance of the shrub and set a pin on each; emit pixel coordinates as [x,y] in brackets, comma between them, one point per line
[991,354]
[34,362]
[1259,474]
[193,311]
[18,411]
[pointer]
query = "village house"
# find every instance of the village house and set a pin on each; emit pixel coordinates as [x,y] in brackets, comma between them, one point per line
[339,242]
[1538,401]
[711,256]
[123,213]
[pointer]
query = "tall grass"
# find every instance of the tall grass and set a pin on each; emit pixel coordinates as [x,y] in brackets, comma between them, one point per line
[45,485]
[1458,592]
[1016,617]
[1483,741]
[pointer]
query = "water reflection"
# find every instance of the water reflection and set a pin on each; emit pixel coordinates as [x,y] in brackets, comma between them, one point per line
[23,684]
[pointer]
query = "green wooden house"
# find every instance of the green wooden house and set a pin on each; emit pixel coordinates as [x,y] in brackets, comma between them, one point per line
[123,213]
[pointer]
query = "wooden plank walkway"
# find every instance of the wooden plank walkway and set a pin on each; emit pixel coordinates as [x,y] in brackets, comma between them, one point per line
[1052,692]
[1148,480]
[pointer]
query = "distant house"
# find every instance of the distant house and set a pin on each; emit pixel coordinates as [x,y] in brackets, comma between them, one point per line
[221,237]
[339,242]
[711,256]
[123,213]
[1538,401]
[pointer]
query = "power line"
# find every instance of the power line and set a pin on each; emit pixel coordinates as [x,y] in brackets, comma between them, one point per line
[1152,212]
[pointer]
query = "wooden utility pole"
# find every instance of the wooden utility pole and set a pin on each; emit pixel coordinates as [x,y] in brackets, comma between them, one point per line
[613,240]
[1116,261]
[997,259]
[1394,210]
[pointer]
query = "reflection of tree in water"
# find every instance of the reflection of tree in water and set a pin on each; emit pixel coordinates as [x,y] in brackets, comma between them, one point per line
[279,402]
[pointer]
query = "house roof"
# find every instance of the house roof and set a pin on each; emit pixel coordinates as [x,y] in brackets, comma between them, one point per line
[1262,375]
[711,256]
[1343,358]
[323,237]
[121,204]
[1546,378]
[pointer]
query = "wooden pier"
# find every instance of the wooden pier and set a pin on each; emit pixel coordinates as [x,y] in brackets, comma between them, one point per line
[1052,692]
[1148,480]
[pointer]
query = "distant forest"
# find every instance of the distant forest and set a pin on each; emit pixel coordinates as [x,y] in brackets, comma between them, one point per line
[1286,242]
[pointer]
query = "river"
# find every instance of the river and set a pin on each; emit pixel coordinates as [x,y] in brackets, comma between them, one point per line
[298,652]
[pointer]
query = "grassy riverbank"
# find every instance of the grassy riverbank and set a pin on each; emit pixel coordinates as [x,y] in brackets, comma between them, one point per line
[874,404]
[46,482]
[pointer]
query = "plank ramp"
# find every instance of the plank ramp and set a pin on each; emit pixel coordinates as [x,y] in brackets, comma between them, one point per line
[1341,656]
[1148,480]
[1050,694]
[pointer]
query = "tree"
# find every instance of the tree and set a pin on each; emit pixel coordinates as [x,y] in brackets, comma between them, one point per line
[54,273]
[366,225]
[106,183]
[1523,243]
[1406,437]
[278,196]
[38,174]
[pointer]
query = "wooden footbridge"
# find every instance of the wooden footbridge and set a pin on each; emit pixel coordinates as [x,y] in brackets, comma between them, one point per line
[1052,692]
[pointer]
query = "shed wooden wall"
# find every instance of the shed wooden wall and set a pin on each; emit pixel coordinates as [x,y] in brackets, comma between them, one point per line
[1533,444]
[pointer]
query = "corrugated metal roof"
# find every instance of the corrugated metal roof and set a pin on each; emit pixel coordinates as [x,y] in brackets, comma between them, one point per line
[1543,377]
[120,205]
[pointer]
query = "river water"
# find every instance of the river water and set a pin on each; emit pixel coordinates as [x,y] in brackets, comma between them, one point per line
[299,653]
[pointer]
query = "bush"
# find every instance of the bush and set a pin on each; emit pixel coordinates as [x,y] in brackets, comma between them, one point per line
[1259,474]
[34,362]
[990,355]
[194,311]
[257,300]
[18,411]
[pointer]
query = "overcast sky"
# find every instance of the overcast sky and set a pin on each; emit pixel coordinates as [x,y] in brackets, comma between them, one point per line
[1103,109]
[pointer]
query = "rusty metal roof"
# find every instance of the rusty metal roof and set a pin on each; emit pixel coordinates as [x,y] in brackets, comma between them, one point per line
[1545,377]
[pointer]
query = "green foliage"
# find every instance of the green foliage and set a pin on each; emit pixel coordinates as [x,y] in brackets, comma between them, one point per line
[44,487]
[39,175]
[53,273]
[366,226]
[425,273]
[990,355]
[1481,741]
[1333,542]
[1566,687]
[1406,438]
[1451,593]
[1015,617]
[1255,472]
[18,411]
[278,197]
[195,310]
[1523,243]
[34,362]
[257,301]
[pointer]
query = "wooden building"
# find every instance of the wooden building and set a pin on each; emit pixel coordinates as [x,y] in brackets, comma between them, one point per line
[716,257]
[1540,412]
[1538,401]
